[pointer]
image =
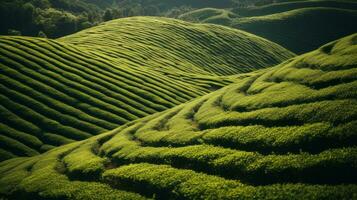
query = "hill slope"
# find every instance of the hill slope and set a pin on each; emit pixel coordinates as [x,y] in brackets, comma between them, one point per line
[282,133]
[292,5]
[210,15]
[169,44]
[299,26]
[302,30]
[54,92]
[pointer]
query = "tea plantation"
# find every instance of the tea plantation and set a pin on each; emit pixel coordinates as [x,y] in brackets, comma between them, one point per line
[173,45]
[54,92]
[286,132]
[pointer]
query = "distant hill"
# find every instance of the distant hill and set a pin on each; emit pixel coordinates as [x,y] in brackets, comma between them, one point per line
[292,5]
[177,3]
[210,15]
[299,26]
[55,92]
[286,132]
[302,30]
[57,18]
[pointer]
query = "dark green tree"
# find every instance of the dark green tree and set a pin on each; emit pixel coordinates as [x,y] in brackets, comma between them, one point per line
[108,15]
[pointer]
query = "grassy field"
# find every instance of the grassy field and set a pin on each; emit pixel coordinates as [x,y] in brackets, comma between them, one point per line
[286,132]
[54,92]
[298,26]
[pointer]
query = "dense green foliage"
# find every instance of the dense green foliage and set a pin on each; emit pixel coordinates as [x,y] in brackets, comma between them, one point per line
[56,18]
[286,132]
[55,92]
[298,26]
[46,18]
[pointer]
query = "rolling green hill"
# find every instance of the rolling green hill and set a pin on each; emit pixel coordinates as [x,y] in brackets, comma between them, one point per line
[286,132]
[178,3]
[302,30]
[297,26]
[169,44]
[210,15]
[292,5]
[58,91]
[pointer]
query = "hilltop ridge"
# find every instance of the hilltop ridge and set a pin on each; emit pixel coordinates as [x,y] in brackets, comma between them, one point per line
[177,45]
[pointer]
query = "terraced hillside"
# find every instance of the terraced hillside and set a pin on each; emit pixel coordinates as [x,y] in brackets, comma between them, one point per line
[169,44]
[282,133]
[54,92]
[298,26]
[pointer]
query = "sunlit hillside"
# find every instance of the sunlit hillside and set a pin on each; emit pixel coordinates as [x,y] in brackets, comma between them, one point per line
[286,132]
[174,45]
[178,99]
[55,92]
